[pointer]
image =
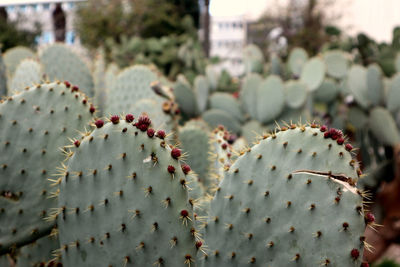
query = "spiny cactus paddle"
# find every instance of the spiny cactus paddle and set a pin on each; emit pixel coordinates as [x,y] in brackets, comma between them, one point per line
[124,199]
[289,201]
[34,125]
[28,73]
[61,63]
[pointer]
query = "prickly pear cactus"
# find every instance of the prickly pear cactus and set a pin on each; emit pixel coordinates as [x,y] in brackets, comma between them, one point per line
[124,200]
[12,57]
[297,58]
[28,73]
[34,125]
[131,85]
[289,201]
[61,63]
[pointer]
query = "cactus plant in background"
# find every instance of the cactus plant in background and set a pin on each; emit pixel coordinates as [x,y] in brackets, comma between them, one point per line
[3,77]
[60,63]
[35,124]
[12,57]
[29,72]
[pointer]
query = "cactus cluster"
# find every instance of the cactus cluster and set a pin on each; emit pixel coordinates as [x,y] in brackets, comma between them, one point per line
[207,170]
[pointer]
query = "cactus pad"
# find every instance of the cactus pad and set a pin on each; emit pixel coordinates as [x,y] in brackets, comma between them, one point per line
[283,204]
[28,73]
[34,125]
[270,99]
[140,212]
[313,73]
[61,63]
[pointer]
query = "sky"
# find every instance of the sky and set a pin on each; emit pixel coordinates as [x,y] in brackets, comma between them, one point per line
[375,17]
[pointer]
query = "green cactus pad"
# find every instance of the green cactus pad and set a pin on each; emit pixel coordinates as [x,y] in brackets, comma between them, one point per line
[186,98]
[384,127]
[201,89]
[279,207]
[226,102]
[357,84]
[61,63]
[194,142]
[128,205]
[357,118]
[99,80]
[12,57]
[212,77]
[295,93]
[253,59]
[111,75]
[216,117]
[248,94]
[28,73]
[297,58]
[276,67]
[393,94]
[270,99]
[38,253]
[131,85]
[313,73]
[336,63]
[374,84]
[34,126]
[327,91]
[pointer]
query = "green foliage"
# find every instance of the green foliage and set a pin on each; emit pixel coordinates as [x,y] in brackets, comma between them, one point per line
[11,35]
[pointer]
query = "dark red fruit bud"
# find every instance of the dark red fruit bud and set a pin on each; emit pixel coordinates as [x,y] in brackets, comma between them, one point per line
[77,143]
[161,134]
[176,153]
[359,172]
[348,147]
[184,213]
[364,264]
[115,119]
[323,128]
[143,123]
[129,118]
[198,244]
[171,169]
[232,138]
[221,127]
[92,109]
[67,84]
[150,132]
[369,218]
[75,88]
[327,135]
[235,94]
[340,141]
[355,253]
[177,111]
[224,146]
[99,123]
[186,169]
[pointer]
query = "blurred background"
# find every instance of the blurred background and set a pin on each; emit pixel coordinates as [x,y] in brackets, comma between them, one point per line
[228,39]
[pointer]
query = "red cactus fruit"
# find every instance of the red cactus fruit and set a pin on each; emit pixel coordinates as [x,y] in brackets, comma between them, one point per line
[369,217]
[184,213]
[75,88]
[224,146]
[150,132]
[348,147]
[171,169]
[340,141]
[143,123]
[115,119]
[161,134]
[129,118]
[77,143]
[364,264]
[99,123]
[198,244]
[176,153]
[323,128]
[354,253]
[92,109]
[186,169]
[67,84]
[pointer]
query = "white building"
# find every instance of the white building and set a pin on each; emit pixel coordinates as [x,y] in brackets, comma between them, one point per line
[40,11]
[227,40]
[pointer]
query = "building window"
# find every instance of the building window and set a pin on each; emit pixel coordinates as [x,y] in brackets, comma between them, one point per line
[70,37]
[46,6]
